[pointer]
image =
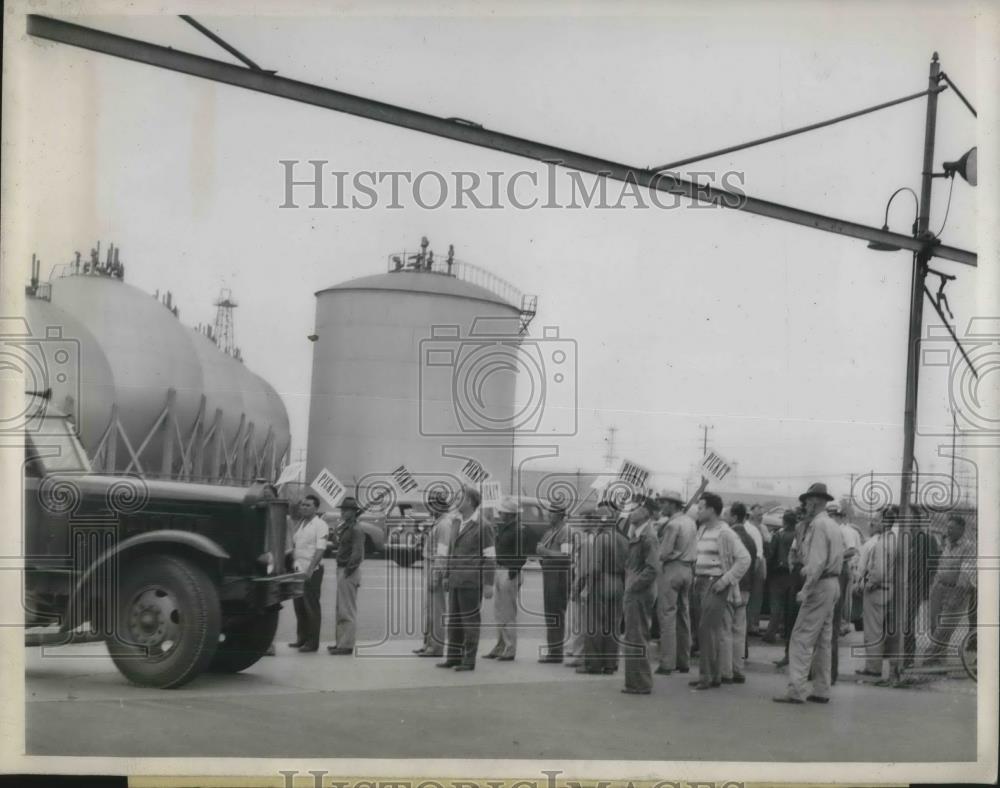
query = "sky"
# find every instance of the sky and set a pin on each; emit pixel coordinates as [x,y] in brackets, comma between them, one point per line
[790,343]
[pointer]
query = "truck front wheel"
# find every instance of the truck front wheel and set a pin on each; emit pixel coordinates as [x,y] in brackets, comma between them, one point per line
[167,622]
[245,642]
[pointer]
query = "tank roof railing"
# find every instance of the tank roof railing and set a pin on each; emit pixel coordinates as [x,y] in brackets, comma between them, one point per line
[419,262]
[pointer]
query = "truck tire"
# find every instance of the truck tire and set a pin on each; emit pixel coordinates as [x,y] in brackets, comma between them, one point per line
[245,642]
[167,622]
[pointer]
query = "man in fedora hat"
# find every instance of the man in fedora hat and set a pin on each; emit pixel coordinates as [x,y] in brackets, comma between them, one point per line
[821,550]
[307,545]
[507,580]
[350,554]
[677,553]
[554,550]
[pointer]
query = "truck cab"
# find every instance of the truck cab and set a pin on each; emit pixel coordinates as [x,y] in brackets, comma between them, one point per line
[176,577]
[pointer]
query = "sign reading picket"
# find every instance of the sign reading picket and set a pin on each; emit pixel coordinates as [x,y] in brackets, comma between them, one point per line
[403,480]
[475,472]
[492,493]
[715,466]
[329,488]
[634,474]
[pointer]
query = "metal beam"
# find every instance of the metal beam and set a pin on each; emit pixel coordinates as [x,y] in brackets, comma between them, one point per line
[463,131]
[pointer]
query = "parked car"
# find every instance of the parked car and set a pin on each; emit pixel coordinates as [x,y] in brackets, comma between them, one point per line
[773,517]
[175,577]
[371,525]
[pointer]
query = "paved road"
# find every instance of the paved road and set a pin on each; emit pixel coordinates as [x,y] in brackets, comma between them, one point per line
[386,703]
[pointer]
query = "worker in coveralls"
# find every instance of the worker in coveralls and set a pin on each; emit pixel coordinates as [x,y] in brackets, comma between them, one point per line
[822,553]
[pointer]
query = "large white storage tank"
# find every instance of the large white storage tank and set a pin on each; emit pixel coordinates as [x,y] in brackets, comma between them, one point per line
[416,369]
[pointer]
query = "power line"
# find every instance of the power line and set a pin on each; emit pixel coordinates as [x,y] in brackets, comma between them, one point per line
[793,132]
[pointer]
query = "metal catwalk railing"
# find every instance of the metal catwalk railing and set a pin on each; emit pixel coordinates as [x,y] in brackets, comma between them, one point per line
[420,261]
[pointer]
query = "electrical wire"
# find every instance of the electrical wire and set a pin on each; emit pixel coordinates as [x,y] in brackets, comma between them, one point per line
[793,132]
[947,208]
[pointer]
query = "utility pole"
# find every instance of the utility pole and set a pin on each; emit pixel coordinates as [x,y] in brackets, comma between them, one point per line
[704,439]
[921,259]
[905,591]
[609,457]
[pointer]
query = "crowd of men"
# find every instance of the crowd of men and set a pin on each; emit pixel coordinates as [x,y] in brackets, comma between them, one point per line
[696,571]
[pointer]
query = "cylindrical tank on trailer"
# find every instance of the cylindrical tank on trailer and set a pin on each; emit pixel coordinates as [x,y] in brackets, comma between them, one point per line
[132,351]
[148,349]
[416,369]
[83,385]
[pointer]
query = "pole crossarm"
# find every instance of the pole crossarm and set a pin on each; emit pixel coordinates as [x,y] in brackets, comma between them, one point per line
[464,131]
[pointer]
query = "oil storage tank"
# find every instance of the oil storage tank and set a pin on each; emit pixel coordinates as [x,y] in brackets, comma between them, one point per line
[415,368]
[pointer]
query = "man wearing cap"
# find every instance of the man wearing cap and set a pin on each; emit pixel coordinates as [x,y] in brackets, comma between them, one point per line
[952,587]
[350,554]
[307,545]
[720,563]
[510,560]
[554,550]
[677,553]
[435,556]
[641,570]
[821,550]
[468,577]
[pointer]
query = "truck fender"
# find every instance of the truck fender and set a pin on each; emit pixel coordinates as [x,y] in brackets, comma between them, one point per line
[197,542]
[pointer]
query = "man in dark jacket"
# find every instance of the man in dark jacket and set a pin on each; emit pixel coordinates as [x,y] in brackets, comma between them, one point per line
[779,578]
[468,577]
[510,560]
[556,560]
[641,570]
[600,583]
[350,554]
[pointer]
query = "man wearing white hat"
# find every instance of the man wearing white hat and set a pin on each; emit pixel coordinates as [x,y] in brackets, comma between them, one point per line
[510,559]
[822,552]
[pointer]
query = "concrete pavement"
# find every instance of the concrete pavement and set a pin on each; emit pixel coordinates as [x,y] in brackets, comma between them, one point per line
[384,702]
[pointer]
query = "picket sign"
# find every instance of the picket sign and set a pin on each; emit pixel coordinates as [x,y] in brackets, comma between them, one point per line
[403,481]
[329,488]
[492,493]
[715,466]
[475,472]
[634,474]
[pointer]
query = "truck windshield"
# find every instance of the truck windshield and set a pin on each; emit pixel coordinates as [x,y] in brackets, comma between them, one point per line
[56,449]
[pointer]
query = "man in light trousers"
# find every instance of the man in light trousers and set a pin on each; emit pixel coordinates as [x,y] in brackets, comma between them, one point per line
[822,553]
[435,562]
[350,554]
[678,551]
[721,561]
[876,578]
[510,558]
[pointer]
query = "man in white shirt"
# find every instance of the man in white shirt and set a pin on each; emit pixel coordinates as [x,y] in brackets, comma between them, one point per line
[435,555]
[308,543]
[879,554]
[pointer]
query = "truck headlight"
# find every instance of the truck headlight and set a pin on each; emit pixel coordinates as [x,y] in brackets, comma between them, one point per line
[268,560]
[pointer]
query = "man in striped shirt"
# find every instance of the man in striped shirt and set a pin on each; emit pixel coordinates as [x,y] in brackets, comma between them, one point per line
[720,563]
